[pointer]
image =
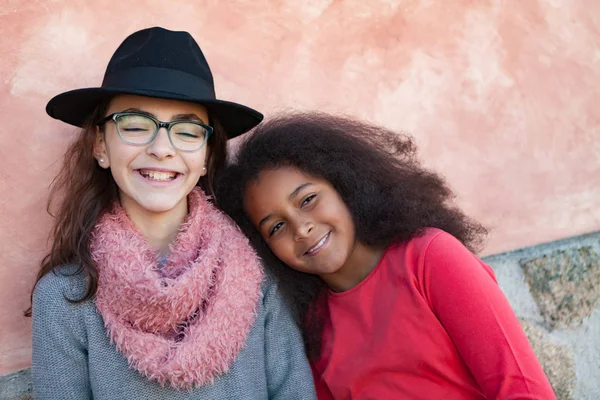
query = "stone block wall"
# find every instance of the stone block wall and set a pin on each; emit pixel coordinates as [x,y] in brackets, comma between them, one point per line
[554,289]
[16,386]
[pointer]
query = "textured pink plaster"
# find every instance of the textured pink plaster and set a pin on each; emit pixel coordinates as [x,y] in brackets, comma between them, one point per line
[502,97]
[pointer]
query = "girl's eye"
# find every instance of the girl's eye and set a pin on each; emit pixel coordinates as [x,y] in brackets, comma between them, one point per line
[187,135]
[308,200]
[275,228]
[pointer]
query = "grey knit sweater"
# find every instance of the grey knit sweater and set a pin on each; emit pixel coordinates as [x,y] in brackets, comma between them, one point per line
[74,359]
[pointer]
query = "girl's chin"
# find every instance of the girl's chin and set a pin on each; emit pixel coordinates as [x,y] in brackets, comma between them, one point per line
[318,270]
[154,204]
[160,207]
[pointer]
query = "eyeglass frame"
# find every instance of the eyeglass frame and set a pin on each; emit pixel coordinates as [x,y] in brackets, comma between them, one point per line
[159,124]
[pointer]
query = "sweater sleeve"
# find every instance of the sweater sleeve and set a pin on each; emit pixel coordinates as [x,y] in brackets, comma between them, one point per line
[466,298]
[59,359]
[289,375]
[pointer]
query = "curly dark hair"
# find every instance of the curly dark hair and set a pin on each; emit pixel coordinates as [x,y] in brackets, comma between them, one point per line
[391,197]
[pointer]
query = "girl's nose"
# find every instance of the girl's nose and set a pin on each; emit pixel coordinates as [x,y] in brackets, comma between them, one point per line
[303,230]
[161,146]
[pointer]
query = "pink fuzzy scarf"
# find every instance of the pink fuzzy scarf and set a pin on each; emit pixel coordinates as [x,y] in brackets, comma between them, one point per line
[184,323]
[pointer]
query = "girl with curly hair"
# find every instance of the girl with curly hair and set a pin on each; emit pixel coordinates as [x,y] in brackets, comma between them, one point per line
[377,265]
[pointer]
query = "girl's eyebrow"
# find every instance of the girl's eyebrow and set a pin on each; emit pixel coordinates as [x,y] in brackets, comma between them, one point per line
[290,197]
[189,116]
[262,221]
[139,111]
[297,190]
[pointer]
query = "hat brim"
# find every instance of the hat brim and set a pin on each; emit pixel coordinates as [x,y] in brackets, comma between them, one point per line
[75,106]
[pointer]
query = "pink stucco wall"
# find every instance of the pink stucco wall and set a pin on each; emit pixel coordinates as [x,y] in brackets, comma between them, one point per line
[502,96]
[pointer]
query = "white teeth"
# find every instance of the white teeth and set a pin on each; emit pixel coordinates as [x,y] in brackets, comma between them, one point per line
[159,175]
[319,245]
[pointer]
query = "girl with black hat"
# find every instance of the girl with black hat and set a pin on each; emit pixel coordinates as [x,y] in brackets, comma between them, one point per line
[148,291]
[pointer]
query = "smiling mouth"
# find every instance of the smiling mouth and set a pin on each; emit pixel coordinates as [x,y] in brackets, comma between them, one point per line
[318,245]
[158,176]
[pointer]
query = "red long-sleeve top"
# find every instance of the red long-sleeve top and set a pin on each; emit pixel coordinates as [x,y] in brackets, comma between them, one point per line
[429,322]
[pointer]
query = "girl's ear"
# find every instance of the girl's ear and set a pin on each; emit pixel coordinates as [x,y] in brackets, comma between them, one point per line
[206,159]
[99,149]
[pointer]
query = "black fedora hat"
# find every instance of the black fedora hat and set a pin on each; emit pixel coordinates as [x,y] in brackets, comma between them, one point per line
[156,62]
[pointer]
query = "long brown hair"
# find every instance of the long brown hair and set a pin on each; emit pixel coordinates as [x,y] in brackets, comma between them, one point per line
[84,191]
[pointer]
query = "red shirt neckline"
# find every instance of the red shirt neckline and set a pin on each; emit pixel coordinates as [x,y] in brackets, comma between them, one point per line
[364,282]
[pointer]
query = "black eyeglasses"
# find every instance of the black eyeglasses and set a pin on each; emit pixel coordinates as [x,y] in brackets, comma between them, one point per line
[140,129]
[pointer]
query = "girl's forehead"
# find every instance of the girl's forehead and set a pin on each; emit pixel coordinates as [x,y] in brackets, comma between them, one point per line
[161,108]
[274,190]
[279,186]
[284,176]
